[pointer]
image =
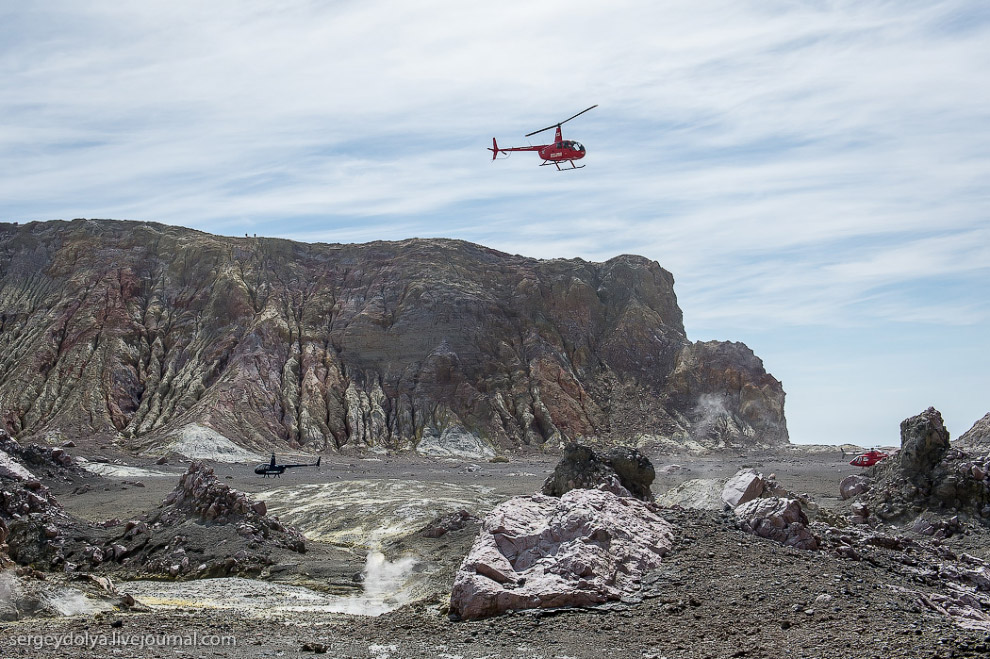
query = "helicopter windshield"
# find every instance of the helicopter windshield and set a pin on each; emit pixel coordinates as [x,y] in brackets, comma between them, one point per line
[578,146]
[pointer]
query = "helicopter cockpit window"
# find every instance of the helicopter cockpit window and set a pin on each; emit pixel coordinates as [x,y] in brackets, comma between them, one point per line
[578,146]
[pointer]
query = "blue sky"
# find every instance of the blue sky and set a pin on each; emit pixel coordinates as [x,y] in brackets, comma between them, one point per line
[816,175]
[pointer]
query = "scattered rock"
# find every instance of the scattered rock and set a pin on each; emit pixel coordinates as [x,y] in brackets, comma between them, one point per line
[860,513]
[454,521]
[778,519]
[318,648]
[44,460]
[929,474]
[940,528]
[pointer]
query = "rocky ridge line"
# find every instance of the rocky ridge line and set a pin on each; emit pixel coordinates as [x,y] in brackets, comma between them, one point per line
[149,334]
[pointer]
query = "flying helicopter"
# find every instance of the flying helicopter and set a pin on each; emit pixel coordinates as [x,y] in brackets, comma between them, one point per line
[553,154]
[868,459]
[272,469]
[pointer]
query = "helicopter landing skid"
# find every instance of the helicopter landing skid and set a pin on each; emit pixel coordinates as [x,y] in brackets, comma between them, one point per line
[564,169]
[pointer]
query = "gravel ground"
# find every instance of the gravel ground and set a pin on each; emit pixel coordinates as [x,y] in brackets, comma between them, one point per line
[721,593]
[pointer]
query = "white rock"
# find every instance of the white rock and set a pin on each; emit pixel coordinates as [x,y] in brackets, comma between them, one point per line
[745,486]
[699,493]
[852,485]
[203,443]
[453,442]
[11,468]
[587,547]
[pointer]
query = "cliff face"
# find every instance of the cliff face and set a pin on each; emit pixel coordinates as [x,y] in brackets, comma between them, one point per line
[151,333]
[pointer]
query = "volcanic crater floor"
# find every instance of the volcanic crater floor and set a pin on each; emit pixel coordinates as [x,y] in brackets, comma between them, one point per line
[720,592]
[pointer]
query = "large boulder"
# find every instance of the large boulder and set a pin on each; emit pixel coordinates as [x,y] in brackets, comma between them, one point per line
[778,519]
[623,471]
[635,471]
[744,486]
[924,441]
[853,485]
[586,547]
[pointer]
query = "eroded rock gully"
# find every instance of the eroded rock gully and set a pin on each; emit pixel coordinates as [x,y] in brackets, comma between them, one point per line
[137,331]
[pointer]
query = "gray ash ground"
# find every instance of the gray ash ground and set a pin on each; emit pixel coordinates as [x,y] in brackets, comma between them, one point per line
[720,593]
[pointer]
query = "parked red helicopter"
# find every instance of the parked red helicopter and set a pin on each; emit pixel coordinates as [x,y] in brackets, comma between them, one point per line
[868,459]
[553,154]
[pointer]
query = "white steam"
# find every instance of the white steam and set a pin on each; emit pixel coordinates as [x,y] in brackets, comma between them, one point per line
[386,587]
[713,419]
[20,598]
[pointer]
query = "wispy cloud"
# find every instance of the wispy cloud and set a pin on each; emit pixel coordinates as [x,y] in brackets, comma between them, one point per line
[793,164]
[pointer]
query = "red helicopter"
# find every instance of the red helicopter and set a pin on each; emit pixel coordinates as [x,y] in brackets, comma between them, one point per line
[868,459]
[553,154]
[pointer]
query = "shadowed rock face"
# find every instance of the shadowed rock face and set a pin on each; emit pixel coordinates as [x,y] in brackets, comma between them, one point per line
[622,471]
[140,330]
[924,441]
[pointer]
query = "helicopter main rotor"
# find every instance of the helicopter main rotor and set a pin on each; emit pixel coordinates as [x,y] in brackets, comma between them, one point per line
[557,125]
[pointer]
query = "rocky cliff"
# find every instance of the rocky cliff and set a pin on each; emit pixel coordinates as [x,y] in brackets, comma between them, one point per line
[151,334]
[978,436]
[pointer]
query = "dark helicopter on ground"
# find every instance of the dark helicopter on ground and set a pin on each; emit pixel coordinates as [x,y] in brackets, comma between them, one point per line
[272,469]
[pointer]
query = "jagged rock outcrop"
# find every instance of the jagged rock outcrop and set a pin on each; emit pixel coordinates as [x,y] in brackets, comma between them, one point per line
[35,527]
[200,511]
[623,471]
[928,474]
[201,495]
[142,331]
[203,528]
[924,442]
[19,462]
[977,437]
[586,547]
